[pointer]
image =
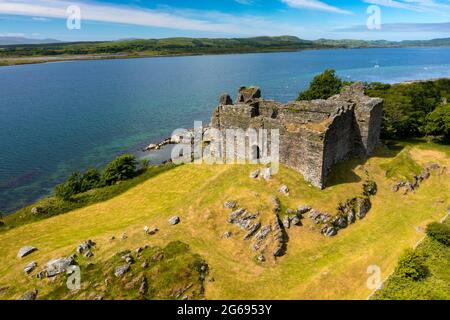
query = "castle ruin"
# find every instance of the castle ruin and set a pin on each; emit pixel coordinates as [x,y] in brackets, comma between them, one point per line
[314,135]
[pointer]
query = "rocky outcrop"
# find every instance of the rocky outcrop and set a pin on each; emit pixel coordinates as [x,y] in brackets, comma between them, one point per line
[85,246]
[57,266]
[314,135]
[30,295]
[415,183]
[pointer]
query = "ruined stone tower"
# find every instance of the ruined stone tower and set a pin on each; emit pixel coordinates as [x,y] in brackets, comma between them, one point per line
[314,135]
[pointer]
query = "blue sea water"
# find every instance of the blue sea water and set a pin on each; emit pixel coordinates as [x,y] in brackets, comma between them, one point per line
[59,117]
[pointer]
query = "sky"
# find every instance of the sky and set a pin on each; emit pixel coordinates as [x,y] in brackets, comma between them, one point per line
[307,19]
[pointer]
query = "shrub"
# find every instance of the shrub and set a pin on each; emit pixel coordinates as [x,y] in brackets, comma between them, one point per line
[370,188]
[323,86]
[438,122]
[411,265]
[70,188]
[121,168]
[90,180]
[439,232]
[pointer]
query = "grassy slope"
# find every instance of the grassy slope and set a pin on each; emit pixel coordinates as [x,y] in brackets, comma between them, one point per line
[435,286]
[314,267]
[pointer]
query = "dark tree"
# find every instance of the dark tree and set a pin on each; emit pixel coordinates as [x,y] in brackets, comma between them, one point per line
[323,86]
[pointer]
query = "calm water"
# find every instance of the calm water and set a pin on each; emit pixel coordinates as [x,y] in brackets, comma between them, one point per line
[59,117]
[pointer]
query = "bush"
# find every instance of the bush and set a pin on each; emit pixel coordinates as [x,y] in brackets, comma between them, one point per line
[90,180]
[438,122]
[323,86]
[70,188]
[370,188]
[411,265]
[439,232]
[122,168]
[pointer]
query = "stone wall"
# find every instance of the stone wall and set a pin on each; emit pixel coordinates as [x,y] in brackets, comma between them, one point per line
[314,135]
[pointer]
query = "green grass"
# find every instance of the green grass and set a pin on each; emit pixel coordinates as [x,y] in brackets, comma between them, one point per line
[169,270]
[435,286]
[402,167]
[51,206]
[314,267]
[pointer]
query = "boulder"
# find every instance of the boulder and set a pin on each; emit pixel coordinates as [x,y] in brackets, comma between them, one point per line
[36,210]
[124,236]
[263,233]
[150,231]
[252,230]
[286,222]
[284,190]
[30,295]
[174,220]
[120,271]
[234,216]
[57,266]
[227,235]
[290,212]
[276,204]
[363,206]
[230,204]
[303,209]
[225,100]
[143,288]
[329,231]
[295,220]
[254,174]
[85,246]
[340,222]
[30,267]
[89,254]
[24,251]
[261,258]
[319,217]
[128,258]
[249,94]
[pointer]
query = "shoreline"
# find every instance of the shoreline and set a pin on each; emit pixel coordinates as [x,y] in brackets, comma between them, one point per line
[145,148]
[17,61]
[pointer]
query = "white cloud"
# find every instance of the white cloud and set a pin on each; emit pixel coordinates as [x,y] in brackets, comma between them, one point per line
[40,19]
[314,4]
[209,21]
[415,5]
[245,2]
[12,34]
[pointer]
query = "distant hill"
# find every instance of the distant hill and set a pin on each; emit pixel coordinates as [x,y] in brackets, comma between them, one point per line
[22,40]
[348,43]
[189,46]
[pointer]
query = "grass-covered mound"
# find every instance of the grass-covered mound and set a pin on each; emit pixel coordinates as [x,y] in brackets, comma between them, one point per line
[172,272]
[314,266]
[402,167]
[422,274]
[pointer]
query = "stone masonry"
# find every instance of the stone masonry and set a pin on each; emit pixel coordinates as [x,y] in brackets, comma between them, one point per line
[314,135]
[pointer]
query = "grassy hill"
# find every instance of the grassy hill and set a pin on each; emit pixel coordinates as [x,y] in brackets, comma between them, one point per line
[38,53]
[314,267]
